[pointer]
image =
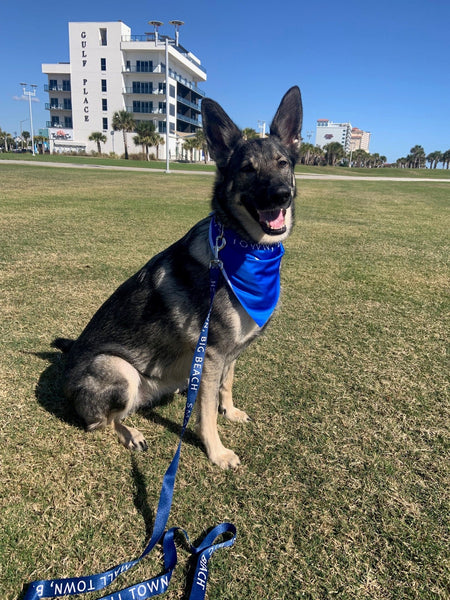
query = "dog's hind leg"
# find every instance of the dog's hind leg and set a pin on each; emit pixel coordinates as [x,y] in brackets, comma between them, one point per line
[109,391]
[226,406]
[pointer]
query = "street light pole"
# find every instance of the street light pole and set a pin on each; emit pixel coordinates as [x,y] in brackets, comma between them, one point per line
[30,93]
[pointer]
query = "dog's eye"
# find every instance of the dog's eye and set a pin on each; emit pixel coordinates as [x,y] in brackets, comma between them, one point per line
[282,164]
[247,168]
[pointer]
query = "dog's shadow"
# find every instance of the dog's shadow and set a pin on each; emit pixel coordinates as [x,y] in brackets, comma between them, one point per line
[49,394]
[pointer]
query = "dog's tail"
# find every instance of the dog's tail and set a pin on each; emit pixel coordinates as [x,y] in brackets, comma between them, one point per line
[63,344]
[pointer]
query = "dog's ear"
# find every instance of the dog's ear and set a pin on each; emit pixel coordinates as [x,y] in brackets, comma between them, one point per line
[287,123]
[221,133]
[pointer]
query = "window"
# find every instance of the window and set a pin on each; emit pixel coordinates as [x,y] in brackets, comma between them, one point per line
[142,87]
[103,39]
[104,85]
[55,122]
[161,87]
[172,110]
[162,107]
[68,122]
[53,84]
[103,64]
[142,107]
[172,127]
[67,104]
[172,91]
[161,126]
[105,123]
[53,102]
[66,85]
[104,104]
[144,66]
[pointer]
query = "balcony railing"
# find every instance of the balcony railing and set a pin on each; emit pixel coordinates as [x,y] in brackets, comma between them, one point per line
[55,88]
[188,103]
[61,124]
[155,111]
[188,119]
[154,92]
[134,69]
[49,106]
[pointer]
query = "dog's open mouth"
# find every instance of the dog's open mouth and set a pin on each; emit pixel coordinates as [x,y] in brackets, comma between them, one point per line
[273,221]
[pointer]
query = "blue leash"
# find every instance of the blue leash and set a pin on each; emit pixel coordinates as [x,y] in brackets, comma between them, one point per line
[53,588]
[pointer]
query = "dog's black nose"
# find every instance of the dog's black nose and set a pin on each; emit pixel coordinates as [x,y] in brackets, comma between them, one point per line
[280,195]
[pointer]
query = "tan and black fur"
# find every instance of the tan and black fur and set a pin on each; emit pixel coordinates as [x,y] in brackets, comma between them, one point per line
[139,345]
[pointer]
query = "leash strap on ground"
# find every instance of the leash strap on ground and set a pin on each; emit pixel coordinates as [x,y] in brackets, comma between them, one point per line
[54,588]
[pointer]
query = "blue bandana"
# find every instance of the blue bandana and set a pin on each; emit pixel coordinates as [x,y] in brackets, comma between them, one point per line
[251,270]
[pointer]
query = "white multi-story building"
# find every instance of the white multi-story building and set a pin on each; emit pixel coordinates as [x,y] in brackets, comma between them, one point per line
[111,70]
[327,132]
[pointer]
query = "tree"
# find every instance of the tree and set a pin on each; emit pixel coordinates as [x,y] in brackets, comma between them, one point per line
[159,141]
[417,157]
[445,159]
[99,137]
[123,121]
[190,145]
[334,152]
[249,133]
[306,153]
[201,143]
[433,158]
[146,136]
[26,135]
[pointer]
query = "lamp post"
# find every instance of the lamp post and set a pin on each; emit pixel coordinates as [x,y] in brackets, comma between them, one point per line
[30,93]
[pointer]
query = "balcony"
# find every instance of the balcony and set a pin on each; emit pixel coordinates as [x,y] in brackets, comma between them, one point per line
[49,106]
[133,68]
[187,102]
[154,111]
[188,120]
[155,92]
[59,124]
[56,88]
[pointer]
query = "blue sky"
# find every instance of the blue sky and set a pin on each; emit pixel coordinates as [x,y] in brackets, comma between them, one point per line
[383,66]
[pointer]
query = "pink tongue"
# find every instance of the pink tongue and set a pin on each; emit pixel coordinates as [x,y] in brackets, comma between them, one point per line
[275,218]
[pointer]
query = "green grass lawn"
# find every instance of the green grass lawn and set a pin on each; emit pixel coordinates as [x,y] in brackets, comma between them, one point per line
[343,491]
[178,166]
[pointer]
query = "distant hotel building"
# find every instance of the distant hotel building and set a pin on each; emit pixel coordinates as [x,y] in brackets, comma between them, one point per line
[112,70]
[351,138]
[360,140]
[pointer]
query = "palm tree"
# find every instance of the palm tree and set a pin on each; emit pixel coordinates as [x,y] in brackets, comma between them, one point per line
[190,145]
[123,121]
[159,140]
[201,143]
[433,158]
[305,153]
[333,152]
[417,157]
[26,135]
[249,133]
[445,159]
[146,136]
[99,137]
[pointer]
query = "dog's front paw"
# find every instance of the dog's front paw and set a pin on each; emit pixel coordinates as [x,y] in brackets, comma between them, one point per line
[226,459]
[235,415]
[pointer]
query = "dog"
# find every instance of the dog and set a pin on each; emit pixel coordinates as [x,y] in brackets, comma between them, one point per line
[139,345]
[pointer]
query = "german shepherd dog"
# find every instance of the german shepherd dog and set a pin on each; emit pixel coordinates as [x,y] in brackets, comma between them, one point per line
[139,345]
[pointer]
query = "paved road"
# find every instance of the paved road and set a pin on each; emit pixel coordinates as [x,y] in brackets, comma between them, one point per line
[42,163]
